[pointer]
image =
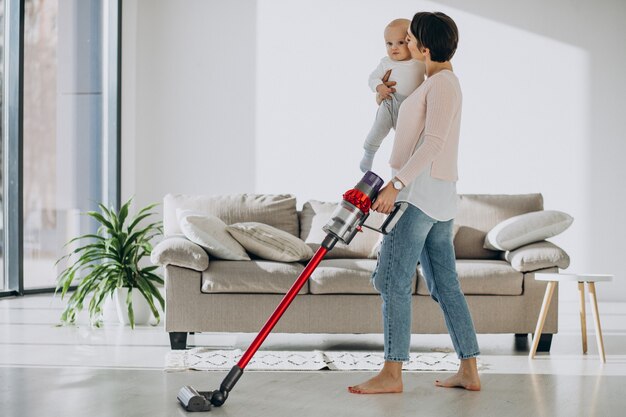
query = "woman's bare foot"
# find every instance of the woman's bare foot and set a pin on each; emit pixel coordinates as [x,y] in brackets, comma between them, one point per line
[389,380]
[467,377]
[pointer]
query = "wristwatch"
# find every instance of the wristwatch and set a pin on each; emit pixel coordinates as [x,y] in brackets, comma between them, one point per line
[397,184]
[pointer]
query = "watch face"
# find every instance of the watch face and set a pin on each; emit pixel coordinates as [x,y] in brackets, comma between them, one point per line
[397,185]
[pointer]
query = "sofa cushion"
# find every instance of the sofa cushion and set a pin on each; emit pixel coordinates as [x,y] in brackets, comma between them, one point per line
[251,277]
[315,215]
[479,213]
[270,243]
[276,210]
[482,277]
[180,251]
[343,276]
[210,233]
[527,228]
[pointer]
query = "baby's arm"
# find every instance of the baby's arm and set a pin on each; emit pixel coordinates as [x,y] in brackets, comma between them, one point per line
[376,77]
[385,89]
[379,83]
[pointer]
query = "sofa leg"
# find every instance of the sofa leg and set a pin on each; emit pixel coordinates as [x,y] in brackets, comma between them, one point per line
[178,340]
[521,342]
[545,341]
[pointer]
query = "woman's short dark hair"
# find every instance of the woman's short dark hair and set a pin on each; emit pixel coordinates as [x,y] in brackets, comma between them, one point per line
[437,32]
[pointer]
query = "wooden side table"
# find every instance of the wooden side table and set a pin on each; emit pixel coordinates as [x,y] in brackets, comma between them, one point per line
[553,280]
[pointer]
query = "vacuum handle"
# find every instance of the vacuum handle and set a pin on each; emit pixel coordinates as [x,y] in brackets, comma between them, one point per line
[391,219]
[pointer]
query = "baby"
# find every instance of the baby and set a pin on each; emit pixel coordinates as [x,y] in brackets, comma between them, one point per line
[406,72]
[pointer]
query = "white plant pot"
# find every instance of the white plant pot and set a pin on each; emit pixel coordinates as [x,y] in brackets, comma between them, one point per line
[141,308]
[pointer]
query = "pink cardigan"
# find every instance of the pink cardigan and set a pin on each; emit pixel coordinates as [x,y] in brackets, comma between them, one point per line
[434,111]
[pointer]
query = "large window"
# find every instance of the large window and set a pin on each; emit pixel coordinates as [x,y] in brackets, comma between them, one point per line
[68,130]
[3,283]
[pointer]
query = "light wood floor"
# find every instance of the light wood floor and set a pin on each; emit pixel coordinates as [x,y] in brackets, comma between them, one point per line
[47,370]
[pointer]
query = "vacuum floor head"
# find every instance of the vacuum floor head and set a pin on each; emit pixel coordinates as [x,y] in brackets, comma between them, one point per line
[192,400]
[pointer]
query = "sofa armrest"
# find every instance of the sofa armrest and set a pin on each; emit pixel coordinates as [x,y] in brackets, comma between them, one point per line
[180,251]
[535,256]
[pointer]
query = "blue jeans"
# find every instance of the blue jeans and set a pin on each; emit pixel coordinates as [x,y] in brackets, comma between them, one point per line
[418,236]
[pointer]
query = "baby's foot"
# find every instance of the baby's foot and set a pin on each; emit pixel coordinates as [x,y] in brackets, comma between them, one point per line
[382,383]
[367,162]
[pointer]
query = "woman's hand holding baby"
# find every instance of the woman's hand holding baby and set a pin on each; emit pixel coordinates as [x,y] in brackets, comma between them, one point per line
[384,90]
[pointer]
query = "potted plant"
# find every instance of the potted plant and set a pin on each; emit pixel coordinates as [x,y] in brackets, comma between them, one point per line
[108,262]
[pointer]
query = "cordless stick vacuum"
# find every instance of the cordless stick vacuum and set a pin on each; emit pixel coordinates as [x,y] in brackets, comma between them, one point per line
[347,220]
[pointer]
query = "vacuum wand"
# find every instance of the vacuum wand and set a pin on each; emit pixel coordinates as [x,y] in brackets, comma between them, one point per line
[344,224]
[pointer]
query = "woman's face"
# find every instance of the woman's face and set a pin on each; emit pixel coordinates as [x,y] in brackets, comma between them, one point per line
[412,44]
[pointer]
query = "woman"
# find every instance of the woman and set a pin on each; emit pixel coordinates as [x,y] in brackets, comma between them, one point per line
[424,164]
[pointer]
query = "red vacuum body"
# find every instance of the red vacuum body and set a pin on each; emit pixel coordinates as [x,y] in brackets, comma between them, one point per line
[344,224]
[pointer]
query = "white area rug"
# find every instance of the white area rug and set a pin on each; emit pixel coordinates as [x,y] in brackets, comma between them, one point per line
[204,359]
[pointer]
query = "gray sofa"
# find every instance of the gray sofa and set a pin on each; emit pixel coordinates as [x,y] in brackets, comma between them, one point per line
[212,295]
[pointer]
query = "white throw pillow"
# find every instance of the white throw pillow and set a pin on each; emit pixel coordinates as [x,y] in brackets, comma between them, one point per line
[521,230]
[539,255]
[210,232]
[179,251]
[269,242]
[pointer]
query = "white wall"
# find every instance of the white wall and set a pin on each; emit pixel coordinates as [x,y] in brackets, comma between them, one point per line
[188,87]
[544,100]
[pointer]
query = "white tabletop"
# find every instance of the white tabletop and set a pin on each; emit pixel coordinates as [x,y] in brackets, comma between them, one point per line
[566,277]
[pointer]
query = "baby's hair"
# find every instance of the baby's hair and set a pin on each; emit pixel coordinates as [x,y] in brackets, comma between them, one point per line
[399,22]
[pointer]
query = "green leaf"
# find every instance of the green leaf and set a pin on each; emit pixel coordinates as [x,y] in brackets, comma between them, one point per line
[146,291]
[88,236]
[153,277]
[123,213]
[137,219]
[107,213]
[101,219]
